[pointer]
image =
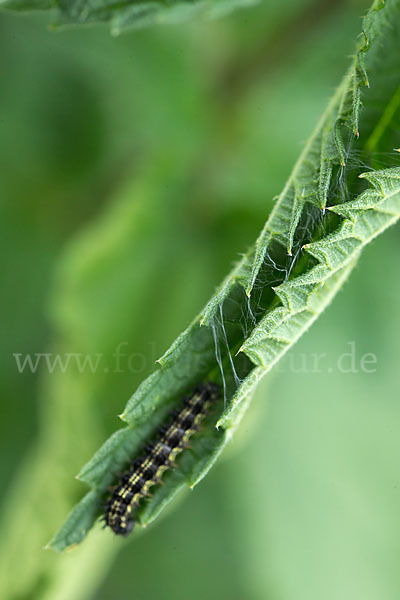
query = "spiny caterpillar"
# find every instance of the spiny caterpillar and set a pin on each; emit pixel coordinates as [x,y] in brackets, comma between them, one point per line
[160,455]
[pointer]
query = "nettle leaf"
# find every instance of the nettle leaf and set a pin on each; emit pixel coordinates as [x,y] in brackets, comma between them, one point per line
[334,203]
[128,14]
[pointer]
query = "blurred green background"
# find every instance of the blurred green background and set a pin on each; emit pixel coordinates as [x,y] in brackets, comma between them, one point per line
[134,172]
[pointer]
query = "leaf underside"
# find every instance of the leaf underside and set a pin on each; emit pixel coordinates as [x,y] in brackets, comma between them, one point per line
[334,203]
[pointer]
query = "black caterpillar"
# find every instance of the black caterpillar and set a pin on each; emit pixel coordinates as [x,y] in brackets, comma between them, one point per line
[160,455]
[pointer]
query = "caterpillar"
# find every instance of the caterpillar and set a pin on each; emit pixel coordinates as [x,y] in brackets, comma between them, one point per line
[159,456]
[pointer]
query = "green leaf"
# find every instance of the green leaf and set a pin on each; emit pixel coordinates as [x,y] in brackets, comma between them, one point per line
[27,5]
[128,14]
[320,223]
